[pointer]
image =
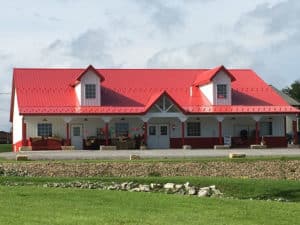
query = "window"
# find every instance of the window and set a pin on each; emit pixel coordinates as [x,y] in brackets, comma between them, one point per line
[90,91]
[221,91]
[76,132]
[163,130]
[45,129]
[265,128]
[193,129]
[152,130]
[122,129]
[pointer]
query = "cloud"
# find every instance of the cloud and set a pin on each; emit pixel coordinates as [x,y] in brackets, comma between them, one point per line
[202,55]
[167,16]
[90,47]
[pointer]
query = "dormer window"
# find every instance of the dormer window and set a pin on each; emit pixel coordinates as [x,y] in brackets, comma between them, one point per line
[221,91]
[90,91]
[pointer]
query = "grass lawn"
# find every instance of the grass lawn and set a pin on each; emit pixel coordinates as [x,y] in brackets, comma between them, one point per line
[36,205]
[5,148]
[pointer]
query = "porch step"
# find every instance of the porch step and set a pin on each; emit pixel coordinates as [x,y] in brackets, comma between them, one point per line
[221,147]
[68,147]
[21,157]
[108,147]
[237,155]
[186,147]
[25,148]
[258,146]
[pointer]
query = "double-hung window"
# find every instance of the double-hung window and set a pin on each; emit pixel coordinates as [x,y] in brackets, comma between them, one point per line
[193,129]
[90,91]
[221,91]
[44,129]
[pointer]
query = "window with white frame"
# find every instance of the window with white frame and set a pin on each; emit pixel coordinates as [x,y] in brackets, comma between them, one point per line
[265,128]
[44,129]
[90,91]
[221,91]
[193,129]
[122,129]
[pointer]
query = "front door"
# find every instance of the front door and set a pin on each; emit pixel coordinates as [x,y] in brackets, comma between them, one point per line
[158,136]
[76,136]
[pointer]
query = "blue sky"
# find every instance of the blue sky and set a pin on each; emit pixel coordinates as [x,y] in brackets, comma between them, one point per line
[259,34]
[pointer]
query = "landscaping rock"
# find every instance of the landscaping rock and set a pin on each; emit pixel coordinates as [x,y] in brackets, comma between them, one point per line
[203,193]
[169,186]
[191,190]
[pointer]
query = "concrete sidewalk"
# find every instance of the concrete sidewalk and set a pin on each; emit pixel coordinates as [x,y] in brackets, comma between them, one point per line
[166,153]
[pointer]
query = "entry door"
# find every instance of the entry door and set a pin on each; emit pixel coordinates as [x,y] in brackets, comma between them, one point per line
[158,136]
[76,136]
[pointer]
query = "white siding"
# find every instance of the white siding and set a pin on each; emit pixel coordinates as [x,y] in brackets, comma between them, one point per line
[17,122]
[78,93]
[222,78]
[278,126]
[207,90]
[88,78]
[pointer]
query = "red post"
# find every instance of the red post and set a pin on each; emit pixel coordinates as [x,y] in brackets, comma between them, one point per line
[256,132]
[284,124]
[296,141]
[145,132]
[182,133]
[220,133]
[24,135]
[106,134]
[68,134]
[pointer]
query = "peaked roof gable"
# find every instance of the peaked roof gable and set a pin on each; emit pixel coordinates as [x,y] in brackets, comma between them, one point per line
[156,97]
[89,68]
[208,76]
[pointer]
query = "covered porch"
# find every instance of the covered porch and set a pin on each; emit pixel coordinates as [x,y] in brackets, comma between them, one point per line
[154,130]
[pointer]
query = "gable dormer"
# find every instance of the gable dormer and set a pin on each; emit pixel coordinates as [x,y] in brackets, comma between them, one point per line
[88,87]
[215,84]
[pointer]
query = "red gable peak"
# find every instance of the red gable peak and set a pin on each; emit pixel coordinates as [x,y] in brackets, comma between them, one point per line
[89,68]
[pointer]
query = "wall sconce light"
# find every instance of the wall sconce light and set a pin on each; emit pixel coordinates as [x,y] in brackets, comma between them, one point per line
[45,120]
[173,126]
[85,119]
[122,118]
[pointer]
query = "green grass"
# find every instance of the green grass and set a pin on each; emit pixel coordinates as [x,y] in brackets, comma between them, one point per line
[231,187]
[5,148]
[36,205]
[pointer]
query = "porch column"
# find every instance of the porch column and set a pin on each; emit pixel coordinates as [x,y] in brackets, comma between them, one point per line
[145,132]
[220,120]
[24,133]
[284,125]
[182,120]
[256,119]
[67,121]
[145,119]
[296,141]
[106,121]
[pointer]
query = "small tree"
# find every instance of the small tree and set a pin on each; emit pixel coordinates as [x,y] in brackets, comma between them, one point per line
[293,90]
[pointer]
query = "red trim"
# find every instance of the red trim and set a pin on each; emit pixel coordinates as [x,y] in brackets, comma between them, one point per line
[106,133]
[295,132]
[256,132]
[145,132]
[182,133]
[284,124]
[220,133]
[16,146]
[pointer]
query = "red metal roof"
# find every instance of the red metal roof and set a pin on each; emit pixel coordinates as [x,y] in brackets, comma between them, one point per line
[133,91]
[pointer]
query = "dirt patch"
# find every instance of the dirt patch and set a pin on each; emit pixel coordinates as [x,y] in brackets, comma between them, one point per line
[277,169]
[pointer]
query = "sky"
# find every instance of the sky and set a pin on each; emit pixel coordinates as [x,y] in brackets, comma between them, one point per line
[263,35]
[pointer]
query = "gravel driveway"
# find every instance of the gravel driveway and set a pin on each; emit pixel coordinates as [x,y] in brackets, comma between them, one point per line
[166,153]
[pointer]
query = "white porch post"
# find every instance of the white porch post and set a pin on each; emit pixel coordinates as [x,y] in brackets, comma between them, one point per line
[106,121]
